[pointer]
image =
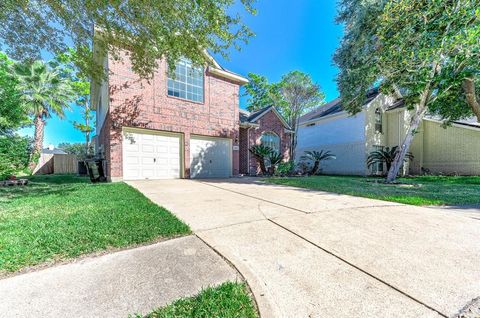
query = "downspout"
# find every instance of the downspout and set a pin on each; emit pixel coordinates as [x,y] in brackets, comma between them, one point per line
[248,150]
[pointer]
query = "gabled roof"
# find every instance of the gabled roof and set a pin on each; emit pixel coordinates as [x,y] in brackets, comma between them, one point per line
[252,118]
[54,151]
[334,107]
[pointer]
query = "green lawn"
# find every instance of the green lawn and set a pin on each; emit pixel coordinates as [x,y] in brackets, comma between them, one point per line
[422,190]
[61,217]
[229,300]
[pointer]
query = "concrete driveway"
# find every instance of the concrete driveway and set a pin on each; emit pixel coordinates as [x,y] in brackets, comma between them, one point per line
[317,254]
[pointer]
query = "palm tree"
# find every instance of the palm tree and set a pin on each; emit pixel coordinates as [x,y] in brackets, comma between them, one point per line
[261,152]
[317,157]
[274,158]
[385,156]
[44,93]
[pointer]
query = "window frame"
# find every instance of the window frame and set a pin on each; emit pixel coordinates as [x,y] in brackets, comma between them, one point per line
[378,120]
[271,133]
[378,168]
[188,64]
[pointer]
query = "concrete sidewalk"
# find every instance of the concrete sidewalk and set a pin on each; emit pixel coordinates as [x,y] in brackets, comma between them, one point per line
[318,254]
[118,284]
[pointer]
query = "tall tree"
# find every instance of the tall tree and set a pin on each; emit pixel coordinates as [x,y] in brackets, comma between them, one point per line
[44,92]
[150,29]
[425,52]
[12,113]
[299,94]
[261,93]
[66,63]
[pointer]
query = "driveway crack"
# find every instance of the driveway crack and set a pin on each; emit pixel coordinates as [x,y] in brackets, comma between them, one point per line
[359,269]
[254,197]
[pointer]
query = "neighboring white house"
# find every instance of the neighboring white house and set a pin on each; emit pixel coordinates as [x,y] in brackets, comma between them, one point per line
[383,123]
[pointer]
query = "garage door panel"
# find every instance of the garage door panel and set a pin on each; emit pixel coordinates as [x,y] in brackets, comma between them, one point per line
[151,156]
[210,158]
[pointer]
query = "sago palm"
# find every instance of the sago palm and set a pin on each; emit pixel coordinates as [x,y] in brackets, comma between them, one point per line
[44,93]
[385,156]
[274,158]
[317,157]
[261,152]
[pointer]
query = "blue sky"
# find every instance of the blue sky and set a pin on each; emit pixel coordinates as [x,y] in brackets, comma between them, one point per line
[290,35]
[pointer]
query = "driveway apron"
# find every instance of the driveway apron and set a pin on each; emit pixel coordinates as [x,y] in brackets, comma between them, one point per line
[318,254]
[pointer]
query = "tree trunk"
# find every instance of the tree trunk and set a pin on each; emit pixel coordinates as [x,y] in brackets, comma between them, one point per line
[314,170]
[87,133]
[471,96]
[293,139]
[261,161]
[414,123]
[39,123]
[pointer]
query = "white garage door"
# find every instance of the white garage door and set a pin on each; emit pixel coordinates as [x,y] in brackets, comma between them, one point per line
[210,157]
[150,156]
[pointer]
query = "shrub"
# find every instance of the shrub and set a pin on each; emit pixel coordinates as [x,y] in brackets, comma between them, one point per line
[285,168]
[15,156]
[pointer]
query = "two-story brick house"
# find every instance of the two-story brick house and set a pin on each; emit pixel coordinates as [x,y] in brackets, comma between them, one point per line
[182,126]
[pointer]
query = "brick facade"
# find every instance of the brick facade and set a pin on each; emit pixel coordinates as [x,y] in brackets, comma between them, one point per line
[269,122]
[135,102]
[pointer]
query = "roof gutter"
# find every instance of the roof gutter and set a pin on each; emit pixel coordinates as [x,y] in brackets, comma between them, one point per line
[249,125]
[234,77]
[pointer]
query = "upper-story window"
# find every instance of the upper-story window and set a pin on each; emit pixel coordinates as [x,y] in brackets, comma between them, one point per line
[378,120]
[271,140]
[187,82]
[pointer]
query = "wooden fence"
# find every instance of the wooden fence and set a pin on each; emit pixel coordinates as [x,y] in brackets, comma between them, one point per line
[57,164]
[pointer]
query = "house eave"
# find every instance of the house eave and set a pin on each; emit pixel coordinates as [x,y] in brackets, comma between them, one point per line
[228,75]
[249,125]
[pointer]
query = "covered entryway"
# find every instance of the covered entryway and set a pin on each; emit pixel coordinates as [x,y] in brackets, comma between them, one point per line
[210,157]
[149,154]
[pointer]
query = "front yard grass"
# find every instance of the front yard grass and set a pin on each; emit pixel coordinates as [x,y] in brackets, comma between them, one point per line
[60,217]
[422,190]
[229,300]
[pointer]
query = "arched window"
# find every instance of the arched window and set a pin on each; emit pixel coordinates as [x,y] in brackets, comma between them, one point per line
[271,140]
[378,120]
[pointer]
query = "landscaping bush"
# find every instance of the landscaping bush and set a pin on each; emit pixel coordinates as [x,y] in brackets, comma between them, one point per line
[285,169]
[15,156]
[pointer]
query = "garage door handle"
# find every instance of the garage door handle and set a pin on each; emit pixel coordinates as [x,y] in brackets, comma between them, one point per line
[154,159]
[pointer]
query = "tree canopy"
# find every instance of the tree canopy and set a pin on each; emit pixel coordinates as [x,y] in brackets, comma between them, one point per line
[261,93]
[12,113]
[299,94]
[294,95]
[402,46]
[425,52]
[150,29]
[44,92]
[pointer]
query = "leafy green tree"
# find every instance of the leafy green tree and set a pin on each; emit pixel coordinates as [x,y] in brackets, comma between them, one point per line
[79,149]
[12,113]
[299,94]
[81,88]
[261,93]
[43,92]
[425,52]
[151,29]
[15,156]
